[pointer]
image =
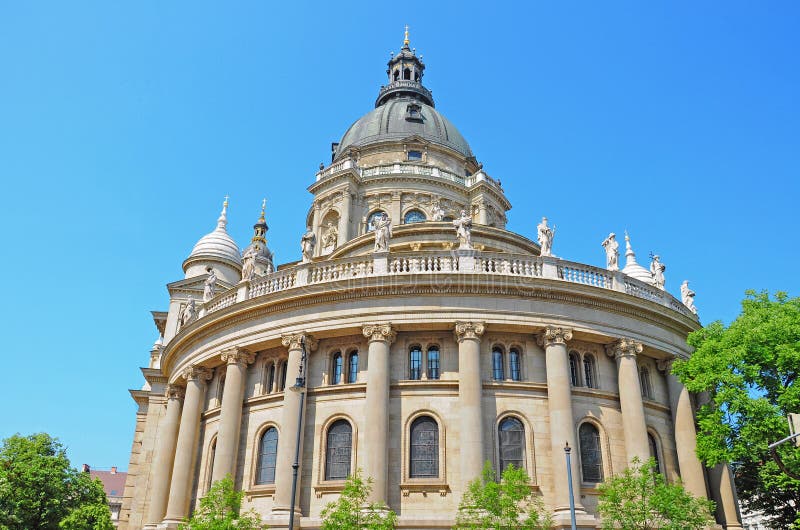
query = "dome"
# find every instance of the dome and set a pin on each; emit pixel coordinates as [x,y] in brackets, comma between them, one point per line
[393,120]
[218,244]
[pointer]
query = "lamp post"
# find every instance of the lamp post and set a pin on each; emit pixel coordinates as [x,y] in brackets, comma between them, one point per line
[299,386]
[568,450]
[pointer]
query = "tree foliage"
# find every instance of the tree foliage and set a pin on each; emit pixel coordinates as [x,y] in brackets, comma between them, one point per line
[220,510]
[39,490]
[640,499]
[748,370]
[352,512]
[505,505]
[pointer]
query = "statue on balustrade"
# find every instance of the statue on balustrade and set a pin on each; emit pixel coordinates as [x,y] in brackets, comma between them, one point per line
[612,252]
[249,263]
[307,244]
[382,226]
[464,230]
[545,237]
[189,313]
[687,296]
[210,287]
[438,212]
[657,270]
[330,238]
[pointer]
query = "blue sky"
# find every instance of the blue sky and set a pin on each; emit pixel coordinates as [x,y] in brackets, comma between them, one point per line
[122,126]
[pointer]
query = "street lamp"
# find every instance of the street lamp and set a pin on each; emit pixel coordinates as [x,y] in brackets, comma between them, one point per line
[568,450]
[299,386]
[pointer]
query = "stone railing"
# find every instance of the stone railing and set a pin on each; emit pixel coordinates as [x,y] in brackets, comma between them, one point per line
[338,167]
[412,169]
[442,262]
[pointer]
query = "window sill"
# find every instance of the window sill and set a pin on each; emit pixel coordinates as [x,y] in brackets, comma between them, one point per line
[425,487]
[333,486]
[261,490]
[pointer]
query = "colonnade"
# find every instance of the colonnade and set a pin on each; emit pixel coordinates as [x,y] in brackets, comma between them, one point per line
[176,449]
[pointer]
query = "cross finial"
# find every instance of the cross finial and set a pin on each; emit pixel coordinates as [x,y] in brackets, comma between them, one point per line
[405,40]
[225,204]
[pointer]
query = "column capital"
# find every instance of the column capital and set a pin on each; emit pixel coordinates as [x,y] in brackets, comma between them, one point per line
[468,330]
[293,341]
[197,372]
[379,332]
[553,335]
[174,391]
[624,347]
[237,355]
[665,365]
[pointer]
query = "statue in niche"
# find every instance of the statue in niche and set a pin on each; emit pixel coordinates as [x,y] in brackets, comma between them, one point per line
[464,230]
[331,237]
[657,270]
[249,263]
[189,313]
[307,244]
[612,252]
[545,235]
[210,287]
[438,212]
[687,297]
[382,226]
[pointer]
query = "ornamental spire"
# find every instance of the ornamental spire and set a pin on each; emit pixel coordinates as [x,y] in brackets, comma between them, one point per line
[630,255]
[405,40]
[222,222]
[260,228]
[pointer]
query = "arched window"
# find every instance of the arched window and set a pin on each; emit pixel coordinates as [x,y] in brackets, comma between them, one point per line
[511,437]
[424,457]
[283,376]
[589,371]
[336,368]
[498,374]
[270,378]
[406,73]
[654,451]
[433,363]
[339,448]
[212,450]
[267,456]
[574,369]
[415,363]
[372,217]
[352,372]
[413,216]
[591,455]
[644,379]
[514,365]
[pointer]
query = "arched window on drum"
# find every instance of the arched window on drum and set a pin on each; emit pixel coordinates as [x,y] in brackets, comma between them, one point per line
[338,450]
[424,448]
[591,453]
[511,442]
[374,215]
[413,216]
[267,456]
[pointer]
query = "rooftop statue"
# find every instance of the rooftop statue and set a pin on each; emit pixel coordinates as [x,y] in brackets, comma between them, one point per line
[249,263]
[438,212]
[189,313]
[545,235]
[382,226]
[612,252]
[657,269]
[307,244]
[464,230]
[210,287]
[330,238]
[687,296]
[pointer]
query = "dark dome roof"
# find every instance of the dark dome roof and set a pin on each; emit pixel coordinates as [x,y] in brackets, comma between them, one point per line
[391,121]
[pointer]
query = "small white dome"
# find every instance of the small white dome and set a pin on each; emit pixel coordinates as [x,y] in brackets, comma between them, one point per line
[218,244]
[633,269]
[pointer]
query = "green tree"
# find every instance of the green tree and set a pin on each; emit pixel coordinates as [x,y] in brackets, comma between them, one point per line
[640,499]
[505,505]
[220,510]
[352,512]
[748,370]
[39,490]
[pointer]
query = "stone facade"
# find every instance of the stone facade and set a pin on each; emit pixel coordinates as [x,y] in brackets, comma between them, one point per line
[418,362]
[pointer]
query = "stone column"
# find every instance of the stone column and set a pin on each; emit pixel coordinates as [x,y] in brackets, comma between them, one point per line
[165,455]
[395,209]
[289,426]
[723,492]
[376,458]
[630,397]
[230,420]
[275,375]
[691,470]
[344,219]
[562,423]
[470,392]
[186,447]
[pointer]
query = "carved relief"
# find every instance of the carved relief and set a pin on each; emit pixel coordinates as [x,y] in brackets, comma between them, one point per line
[554,335]
[293,341]
[469,330]
[379,332]
[237,355]
[624,347]
[197,373]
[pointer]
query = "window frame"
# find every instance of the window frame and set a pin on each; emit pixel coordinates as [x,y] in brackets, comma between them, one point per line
[337,368]
[436,453]
[513,353]
[431,370]
[498,364]
[260,455]
[590,371]
[327,454]
[524,452]
[350,372]
[414,348]
[599,450]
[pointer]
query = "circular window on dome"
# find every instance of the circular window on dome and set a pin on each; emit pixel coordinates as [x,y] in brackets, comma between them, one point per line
[414,216]
[370,220]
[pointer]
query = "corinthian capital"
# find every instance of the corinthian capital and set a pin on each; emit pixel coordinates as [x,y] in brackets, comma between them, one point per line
[554,335]
[379,332]
[197,372]
[175,392]
[237,355]
[293,341]
[624,347]
[468,330]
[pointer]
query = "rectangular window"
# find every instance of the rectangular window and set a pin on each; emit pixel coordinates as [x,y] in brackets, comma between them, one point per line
[415,364]
[415,155]
[433,363]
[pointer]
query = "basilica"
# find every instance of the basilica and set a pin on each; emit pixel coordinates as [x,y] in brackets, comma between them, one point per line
[414,338]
